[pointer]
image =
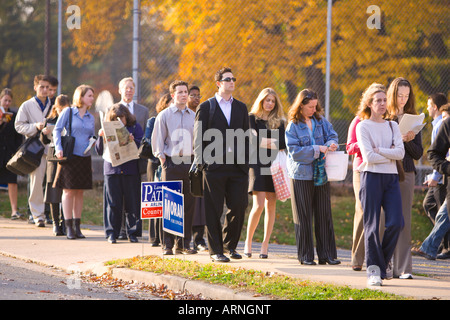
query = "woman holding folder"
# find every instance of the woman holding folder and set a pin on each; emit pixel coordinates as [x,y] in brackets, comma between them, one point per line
[400,101]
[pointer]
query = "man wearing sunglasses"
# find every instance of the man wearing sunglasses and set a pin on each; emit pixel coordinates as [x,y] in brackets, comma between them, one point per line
[226,167]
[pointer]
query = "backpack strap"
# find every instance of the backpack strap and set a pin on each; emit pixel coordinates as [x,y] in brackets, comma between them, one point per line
[212,109]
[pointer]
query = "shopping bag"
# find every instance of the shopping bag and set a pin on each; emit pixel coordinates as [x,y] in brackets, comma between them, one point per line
[336,165]
[278,170]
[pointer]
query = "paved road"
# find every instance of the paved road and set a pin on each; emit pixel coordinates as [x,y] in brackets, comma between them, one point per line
[20,280]
[26,242]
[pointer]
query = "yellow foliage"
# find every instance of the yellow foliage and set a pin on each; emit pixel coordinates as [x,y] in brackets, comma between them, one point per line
[272,42]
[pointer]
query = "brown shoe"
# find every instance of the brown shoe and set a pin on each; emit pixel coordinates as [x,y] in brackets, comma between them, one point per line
[418,252]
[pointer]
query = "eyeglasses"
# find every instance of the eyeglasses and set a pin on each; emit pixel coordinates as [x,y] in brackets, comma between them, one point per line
[195,96]
[228,79]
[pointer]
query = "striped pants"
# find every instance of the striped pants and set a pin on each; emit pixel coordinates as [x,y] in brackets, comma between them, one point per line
[312,203]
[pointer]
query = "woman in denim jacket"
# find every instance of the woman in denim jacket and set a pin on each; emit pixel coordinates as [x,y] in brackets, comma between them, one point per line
[308,135]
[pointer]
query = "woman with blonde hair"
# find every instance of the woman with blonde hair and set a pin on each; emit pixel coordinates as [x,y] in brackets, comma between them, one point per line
[380,144]
[267,121]
[401,101]
[75,174]
[308,138]
[353,148]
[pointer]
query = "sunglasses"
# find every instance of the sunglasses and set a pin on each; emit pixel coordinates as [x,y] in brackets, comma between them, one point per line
[228,79]
[309,96]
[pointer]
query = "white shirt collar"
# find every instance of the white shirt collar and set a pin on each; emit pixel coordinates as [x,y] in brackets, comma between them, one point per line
[219,98]
[131,104]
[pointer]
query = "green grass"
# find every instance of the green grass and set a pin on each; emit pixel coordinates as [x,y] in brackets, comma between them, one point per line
[273,285]
[92,204]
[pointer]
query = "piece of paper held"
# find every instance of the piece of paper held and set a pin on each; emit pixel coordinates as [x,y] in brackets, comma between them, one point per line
[411,122]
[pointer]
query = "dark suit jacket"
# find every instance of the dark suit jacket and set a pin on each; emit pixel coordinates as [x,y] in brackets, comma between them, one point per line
[239,120]
[141,113]
[438,151]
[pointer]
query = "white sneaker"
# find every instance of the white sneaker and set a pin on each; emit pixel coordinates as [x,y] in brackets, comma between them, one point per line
[374,281]
[406,276]
[374,276]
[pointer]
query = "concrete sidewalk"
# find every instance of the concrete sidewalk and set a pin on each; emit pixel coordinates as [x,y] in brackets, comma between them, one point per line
[25,241]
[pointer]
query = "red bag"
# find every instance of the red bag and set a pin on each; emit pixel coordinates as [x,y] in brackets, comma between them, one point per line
[280,177]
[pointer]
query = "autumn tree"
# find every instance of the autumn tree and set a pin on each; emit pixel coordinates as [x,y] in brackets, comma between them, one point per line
[282,44]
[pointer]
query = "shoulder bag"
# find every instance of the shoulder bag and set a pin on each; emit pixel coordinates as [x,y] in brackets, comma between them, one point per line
[67,143]
[28,157]
[399,163]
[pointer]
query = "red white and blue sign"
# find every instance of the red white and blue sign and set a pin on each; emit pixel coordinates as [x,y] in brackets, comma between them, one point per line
[152,198]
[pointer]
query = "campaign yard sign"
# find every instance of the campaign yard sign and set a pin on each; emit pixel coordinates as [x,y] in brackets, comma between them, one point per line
[173,212]
[151,197]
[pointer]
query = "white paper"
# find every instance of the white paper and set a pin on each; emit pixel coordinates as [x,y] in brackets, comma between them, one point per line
[411,122]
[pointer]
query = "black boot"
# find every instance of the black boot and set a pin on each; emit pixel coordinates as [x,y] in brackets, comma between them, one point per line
[78,233]
[69,229]
[57,230]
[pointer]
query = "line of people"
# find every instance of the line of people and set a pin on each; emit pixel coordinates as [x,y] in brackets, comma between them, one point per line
[382,222]
[180,134]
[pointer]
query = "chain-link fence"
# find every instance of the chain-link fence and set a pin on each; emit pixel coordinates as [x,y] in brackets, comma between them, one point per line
[283,45]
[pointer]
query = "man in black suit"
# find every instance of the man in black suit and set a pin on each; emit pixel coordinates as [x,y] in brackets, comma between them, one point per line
[222,147]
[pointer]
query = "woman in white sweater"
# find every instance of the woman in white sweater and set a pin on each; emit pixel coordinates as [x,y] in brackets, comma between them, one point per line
[381,144]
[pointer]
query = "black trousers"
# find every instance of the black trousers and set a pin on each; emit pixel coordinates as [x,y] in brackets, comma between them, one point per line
[171,172]
[121,192]
[433,200]
[227,184]
[310,203]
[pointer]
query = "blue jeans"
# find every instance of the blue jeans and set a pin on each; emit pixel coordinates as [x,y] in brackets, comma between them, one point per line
[441,226]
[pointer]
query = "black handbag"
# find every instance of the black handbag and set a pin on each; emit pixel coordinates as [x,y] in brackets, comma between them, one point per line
[28,157]
[145,149]
[196,180]
[196,170]
[67,143]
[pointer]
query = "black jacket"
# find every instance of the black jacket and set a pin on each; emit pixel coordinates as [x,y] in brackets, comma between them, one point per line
[216,155]
[439,149]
